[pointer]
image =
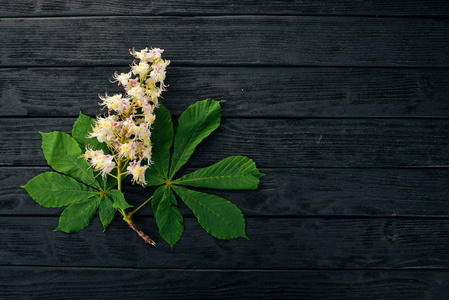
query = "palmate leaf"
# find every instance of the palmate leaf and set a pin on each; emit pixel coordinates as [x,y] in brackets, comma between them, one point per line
[195,124]
[83,125]
[51,189]
[162,139]
[216,215]
[62,154]
[55,190]
[168,217]
[235,172]
[78,215]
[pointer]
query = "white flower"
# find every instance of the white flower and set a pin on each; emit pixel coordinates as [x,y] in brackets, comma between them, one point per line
[98,133]
[147,107]
[154,53]
[128,150]
[155,94]
[100,162]
[127,129]
[150,117]
[116,102]
[141,132]
[129,122]
[141,68]
[90,153]
[147,152]
[121,78]
[104,128]
[142,54]
[103,163]
[158,72]
[136,91]
[137,171]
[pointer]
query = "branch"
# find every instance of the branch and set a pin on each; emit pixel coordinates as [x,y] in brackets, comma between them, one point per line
[145,237]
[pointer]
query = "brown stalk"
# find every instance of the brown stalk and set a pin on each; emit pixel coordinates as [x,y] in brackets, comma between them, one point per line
[145,237]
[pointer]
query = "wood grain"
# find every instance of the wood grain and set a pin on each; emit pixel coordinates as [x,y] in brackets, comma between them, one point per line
[250,92]
[248,40]
[289,192]
[342,105]
[275,243]
[74,283]
[276,142]
[214,7]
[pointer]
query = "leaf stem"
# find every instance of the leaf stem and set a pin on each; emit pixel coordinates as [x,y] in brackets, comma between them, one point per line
[148,200]
[123,214]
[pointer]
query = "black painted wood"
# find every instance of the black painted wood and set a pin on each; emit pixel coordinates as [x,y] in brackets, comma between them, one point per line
[274,243]
[343,105]
[220,7]
[276,142]
[229,40]
[289,192]
[75,283]
[255,92]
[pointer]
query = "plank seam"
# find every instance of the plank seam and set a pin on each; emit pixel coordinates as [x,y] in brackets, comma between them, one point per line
[414,269]
[228,65]
[211,15]
[284,217]
[437,167]
[442,118]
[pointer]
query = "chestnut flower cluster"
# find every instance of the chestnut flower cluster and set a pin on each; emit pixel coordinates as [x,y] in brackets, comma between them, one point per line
[127,128]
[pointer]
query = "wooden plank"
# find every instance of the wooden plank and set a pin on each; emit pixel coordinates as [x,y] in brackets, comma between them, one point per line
[289,192]
[249,40]
[73,283]
[276,142]
[255,92]
[275,243]
[217,7]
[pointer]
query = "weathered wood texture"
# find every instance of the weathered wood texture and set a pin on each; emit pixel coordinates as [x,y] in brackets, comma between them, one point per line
[345,112]
[221,7]
[74,283]
[255,92]
[290,192]
[248,40]
[276,142]
[275,243]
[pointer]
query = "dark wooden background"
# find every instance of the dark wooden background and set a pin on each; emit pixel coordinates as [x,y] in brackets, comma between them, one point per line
[343,104]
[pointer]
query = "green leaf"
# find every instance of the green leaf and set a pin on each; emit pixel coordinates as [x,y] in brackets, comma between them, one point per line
[153,177]
[162,139]
[78,215]
[194,125]
[62,154]
[51,189]
[235,173]
[216,215]
[118,199]
[168,217]
[106,211]
[83,125]
[157,197]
